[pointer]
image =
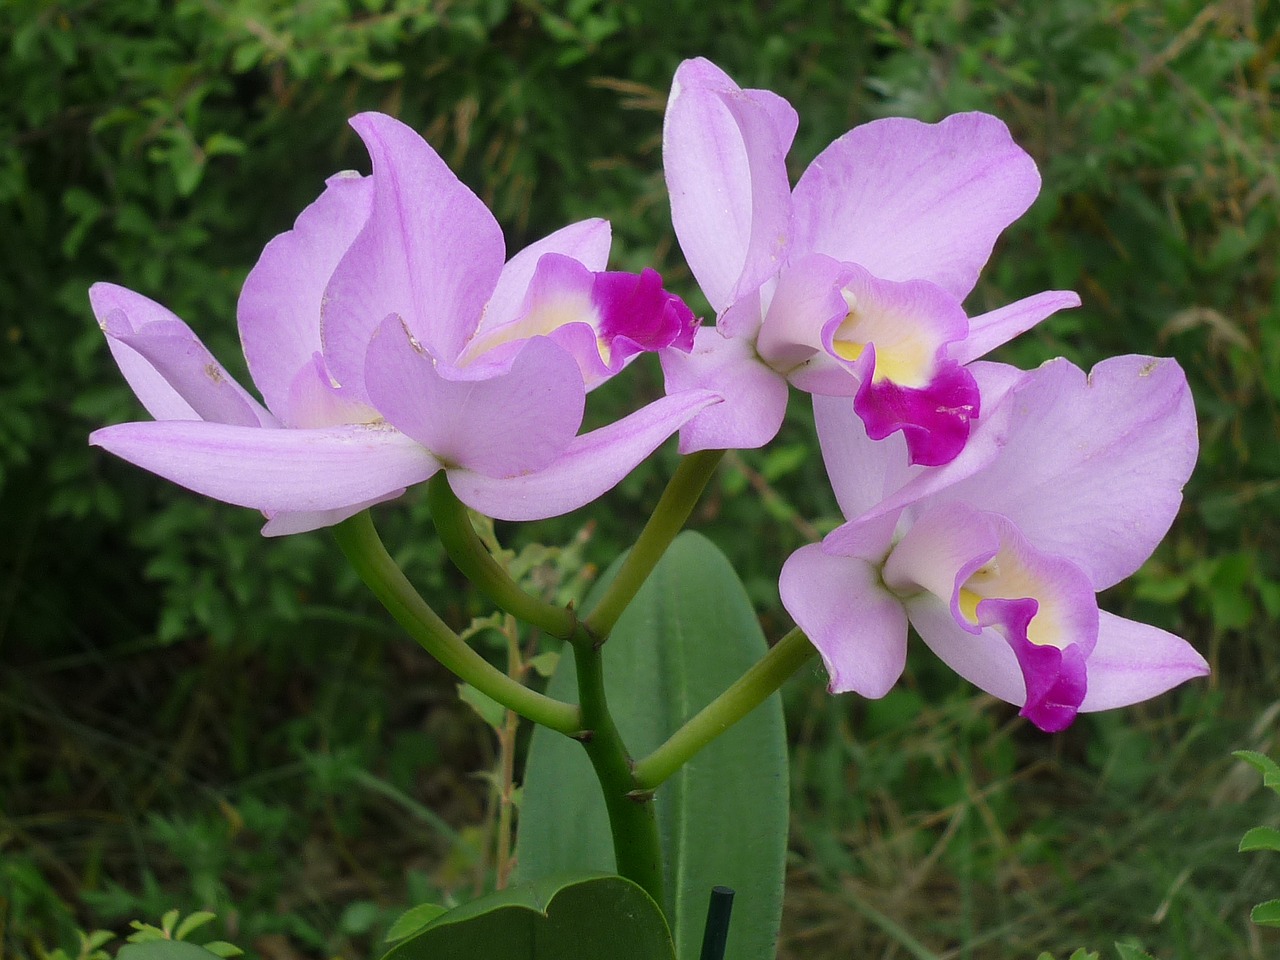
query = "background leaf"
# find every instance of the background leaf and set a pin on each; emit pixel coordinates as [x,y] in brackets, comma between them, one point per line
[689,633]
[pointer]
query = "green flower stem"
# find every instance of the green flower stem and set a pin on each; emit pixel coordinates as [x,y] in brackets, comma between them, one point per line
[471,556]
[749,691]
[366,553]
[632,819]
[669,516]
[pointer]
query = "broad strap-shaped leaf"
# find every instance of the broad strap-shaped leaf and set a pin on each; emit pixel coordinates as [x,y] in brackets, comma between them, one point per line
[565,917]
[688,635]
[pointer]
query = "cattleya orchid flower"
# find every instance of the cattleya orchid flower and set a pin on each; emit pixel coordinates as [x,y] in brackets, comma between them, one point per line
[851,285]
[390,341]
[1065,488]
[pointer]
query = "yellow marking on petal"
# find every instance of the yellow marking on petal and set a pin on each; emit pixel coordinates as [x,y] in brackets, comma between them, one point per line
[969,605]
[848,349]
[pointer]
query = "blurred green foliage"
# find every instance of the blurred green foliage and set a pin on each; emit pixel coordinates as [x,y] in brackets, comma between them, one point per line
[182,702]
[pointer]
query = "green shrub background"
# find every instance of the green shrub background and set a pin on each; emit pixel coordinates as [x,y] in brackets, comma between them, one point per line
[192,716]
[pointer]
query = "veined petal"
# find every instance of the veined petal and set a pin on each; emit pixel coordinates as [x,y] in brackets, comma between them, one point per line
[1093,467]
[724,153]
[910,200]
[858,627]
[430,253]
[273,470]
[511,424]
[755,397]
[996,327]
[586,241]
[1134,662]
[589,467]
[279,308]
[171,371]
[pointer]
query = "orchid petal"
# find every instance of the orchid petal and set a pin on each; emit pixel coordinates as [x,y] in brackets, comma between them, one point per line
[284,523]
[315,400]
[1134,662]
[808,298]
[586,241]
[1093,467]
[724,152]
[858,627]
[280,304]
[755,397]
[430,253]
[273,470]
[514,423]
[909,200]
[862,471]
[996,327]
[873,478]
[589,467]
[166,364]
[985,659]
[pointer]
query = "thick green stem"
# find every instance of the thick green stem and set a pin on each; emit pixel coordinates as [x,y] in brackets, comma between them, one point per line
[749,691]
[469,555]
[366,553]
[669,516]
[632,820]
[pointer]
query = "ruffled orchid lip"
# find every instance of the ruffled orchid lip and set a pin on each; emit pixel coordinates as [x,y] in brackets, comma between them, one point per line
[602,318]
[934,419]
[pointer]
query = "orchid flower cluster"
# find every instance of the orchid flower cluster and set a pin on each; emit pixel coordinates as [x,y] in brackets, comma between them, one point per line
[391,340]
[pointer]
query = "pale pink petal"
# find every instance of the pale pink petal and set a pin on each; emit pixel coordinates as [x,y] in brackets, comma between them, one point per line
[910,200]
[172,372]
[315,400]
[1093,468]
[807,300]
[273,470]
[873,477]
[755,397]
[1134,662]
[985,659]
[996,327]
[593,464]
[724,152]
[507,425]
[862,471]
[858,627]
[586,241]
[284,523]
[430,254]
[279,308]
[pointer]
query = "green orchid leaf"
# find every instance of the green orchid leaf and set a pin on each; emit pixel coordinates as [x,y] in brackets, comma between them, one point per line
[565,917]
[413,920]
[690,632]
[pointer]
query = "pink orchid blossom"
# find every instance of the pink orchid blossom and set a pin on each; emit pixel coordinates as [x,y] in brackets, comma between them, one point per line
[1065,488]
[390,341]
[850,285]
